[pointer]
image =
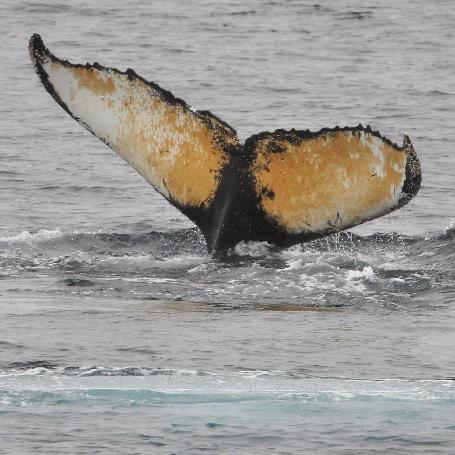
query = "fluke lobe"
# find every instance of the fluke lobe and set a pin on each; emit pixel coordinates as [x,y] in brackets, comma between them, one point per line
[284,187]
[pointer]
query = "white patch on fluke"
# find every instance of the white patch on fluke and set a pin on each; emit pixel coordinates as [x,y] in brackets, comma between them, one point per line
[376,145]
[91,110]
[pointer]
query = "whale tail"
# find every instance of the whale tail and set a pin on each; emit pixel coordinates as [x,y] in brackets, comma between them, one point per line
[283,187]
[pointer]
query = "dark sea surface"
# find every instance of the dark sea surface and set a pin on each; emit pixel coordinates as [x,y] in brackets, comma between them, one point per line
[120,334]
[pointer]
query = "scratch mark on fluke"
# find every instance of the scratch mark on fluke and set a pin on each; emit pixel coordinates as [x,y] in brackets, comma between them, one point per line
[284,187]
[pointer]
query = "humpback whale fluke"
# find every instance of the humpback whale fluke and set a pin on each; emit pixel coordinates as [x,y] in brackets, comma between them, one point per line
[283,187]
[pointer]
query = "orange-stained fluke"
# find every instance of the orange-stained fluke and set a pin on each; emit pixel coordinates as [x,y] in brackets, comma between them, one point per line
[283,187]
[330,181]
[179,151]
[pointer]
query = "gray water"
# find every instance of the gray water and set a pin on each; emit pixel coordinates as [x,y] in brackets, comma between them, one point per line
[120,334]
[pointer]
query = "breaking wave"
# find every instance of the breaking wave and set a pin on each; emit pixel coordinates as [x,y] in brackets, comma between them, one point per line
[38,382]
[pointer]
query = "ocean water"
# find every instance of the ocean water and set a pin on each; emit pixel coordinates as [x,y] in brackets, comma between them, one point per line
[120,334]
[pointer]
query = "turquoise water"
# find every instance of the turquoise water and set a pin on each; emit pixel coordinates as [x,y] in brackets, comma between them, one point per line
[194,411]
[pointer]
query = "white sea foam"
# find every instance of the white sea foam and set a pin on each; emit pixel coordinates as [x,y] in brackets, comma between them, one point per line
[198,268]
[294,265]
[100,383]
[366,274]
[29,237]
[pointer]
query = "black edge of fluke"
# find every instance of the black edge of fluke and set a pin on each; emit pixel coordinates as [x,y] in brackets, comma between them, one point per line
[36,46]
[294,134]
[413,177]
[38,53]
